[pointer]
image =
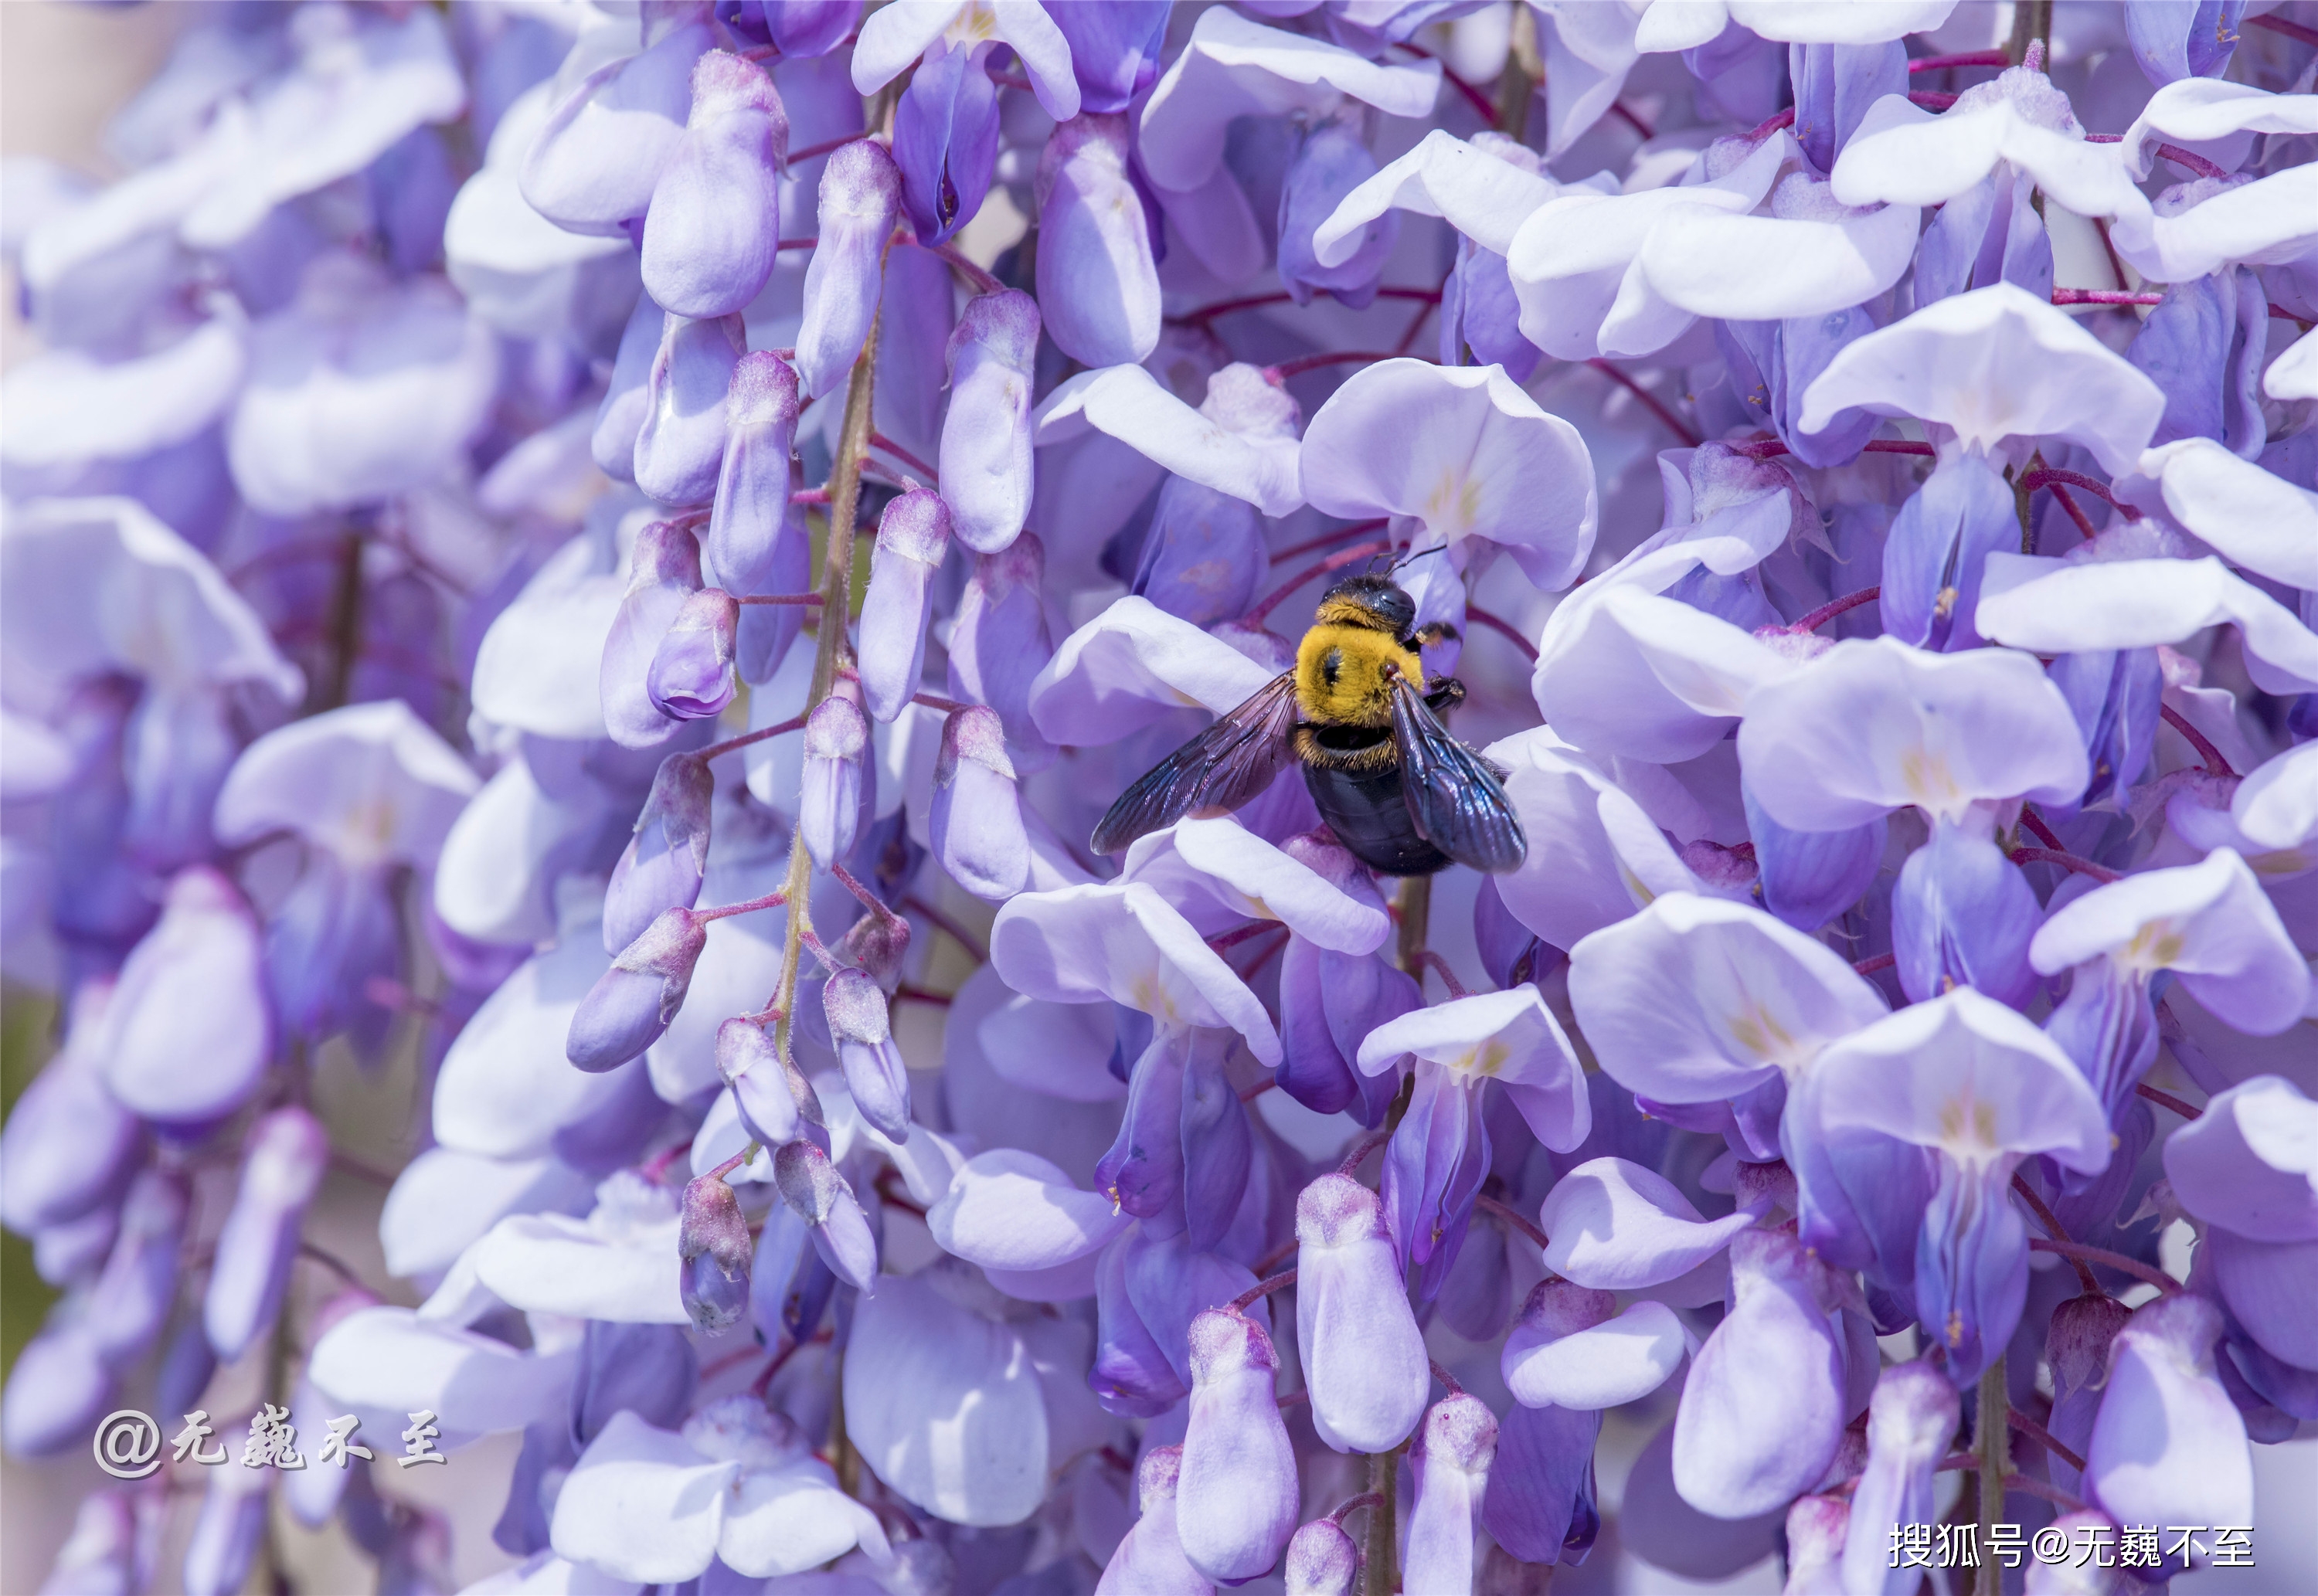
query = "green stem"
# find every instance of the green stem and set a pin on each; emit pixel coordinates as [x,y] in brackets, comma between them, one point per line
[1992,1442]
[1383,1551]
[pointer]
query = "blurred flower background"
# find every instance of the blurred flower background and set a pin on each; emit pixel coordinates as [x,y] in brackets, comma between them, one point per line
[477,938]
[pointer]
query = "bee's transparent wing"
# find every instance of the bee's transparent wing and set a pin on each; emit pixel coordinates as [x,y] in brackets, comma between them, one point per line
[1459,805]
[1217,771]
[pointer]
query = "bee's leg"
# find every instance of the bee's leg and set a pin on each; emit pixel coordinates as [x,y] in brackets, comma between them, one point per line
[1447,693]
[1430,632]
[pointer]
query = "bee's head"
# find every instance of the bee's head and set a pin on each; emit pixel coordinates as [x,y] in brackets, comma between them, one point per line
[1373,602]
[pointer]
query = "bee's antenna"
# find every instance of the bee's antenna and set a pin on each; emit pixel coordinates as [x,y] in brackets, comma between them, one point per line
[1412,559]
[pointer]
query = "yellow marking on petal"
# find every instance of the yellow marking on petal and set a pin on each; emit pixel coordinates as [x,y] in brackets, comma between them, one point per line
[1929,782]
[1761,1034]
[2156,946]
[1955,1328]
[1453,504]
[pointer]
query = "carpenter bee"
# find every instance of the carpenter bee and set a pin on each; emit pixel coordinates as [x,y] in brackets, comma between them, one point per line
[1406,797]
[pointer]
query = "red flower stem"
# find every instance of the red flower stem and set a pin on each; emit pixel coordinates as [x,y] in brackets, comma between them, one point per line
[2044,476]
[2036,823]
[1977,57]
[2214,764]
[1504,628]
[1767,448]
[2189,161]
[1834,608]
[1277,1256]
[800,243]
[2279,24]
[1772,124]
[2066,861]
[947,927]
[948,706]
[773,1365]
[1340,558]
[2102,296]
[1445,1377]
[2051,1224]
[1313,363]
[1511,1216]
[1619,109]
[731,744]
[906,993]
[747,905]
[1365,1499]
[826,146]
[1258,1089]
[2043,1438]
[733,1163]
[1310,544]
[810,496]
[778,598]
[1650,402]
[1239,933]
[1427,959]
[2168,1100]
[982,282]
[1293,1399]
[1882,961]
[1481,102]
[1262,1288]
[1360,1150]
[2068,502]
[1930,99]
[878,440]
[2102,1255]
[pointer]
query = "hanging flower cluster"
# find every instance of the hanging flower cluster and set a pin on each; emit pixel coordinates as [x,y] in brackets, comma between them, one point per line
[604,562]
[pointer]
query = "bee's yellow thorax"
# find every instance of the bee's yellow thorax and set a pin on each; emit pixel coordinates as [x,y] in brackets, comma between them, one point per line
[1340,679]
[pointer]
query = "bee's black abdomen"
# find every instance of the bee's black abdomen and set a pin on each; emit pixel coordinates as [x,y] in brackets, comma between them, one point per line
[1371,817]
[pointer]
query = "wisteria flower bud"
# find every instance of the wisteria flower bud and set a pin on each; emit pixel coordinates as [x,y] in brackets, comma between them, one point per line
[1099,287]
[283,1164]
[912,539]
[752,485]
[838,778]
[762,1085]
[714,1243]
[680,448]
[68,1142]
[714,227]
[976,820]
[1450,1462]
[223,1546]
[1817,1527]
[1364,1359]
[56,1390]
[1322,1561]
[860,202]
[691,676]
[189,1029]
[1150,1560]
[986,464]
[2169,1446]
[876,943]
[129,1306]
[1332,160]
[1910,1420]
[863,1030]
[945,138]
[1237,1495]
[2077,1346]
[632,1003]
[823,1198]
[999,644]
[663,573]
[661,867]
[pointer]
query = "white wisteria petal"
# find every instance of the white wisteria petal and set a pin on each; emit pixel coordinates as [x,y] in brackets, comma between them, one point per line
[614,123]
[539,667]
[1621,671]
[1809,256]
[1588,48]
[2277,805]
[2212,224]
[2294,375]
[1510,1037]
[1698,999]
[2214,118]
[520,271]
[159,609]
[371,782]
[1905,156]
[1667,26]
[363,79]
[1569,884]
[1620,1360]
[1614,1225]
[1995,366]
[2252,517]
[1010,1209]
[444,1200]
[1572,261]
[945,1404]
[1838,22]
[502,854]
[786,1521]
[895,36]
[361,389]
[642,1504]
[1223,861]
[620,1266]
[1870,727]
[2063,607]
[65,407]
[505,1087]
[1129,665]
[1462,450]
[1127,403]
[2209,923]
[1061,1049]
[386,1363]
[1125,943]
[1234,67]
[1482,196]
[544,1574]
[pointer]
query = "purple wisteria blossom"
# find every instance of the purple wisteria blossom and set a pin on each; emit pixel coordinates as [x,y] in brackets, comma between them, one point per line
[706,707]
